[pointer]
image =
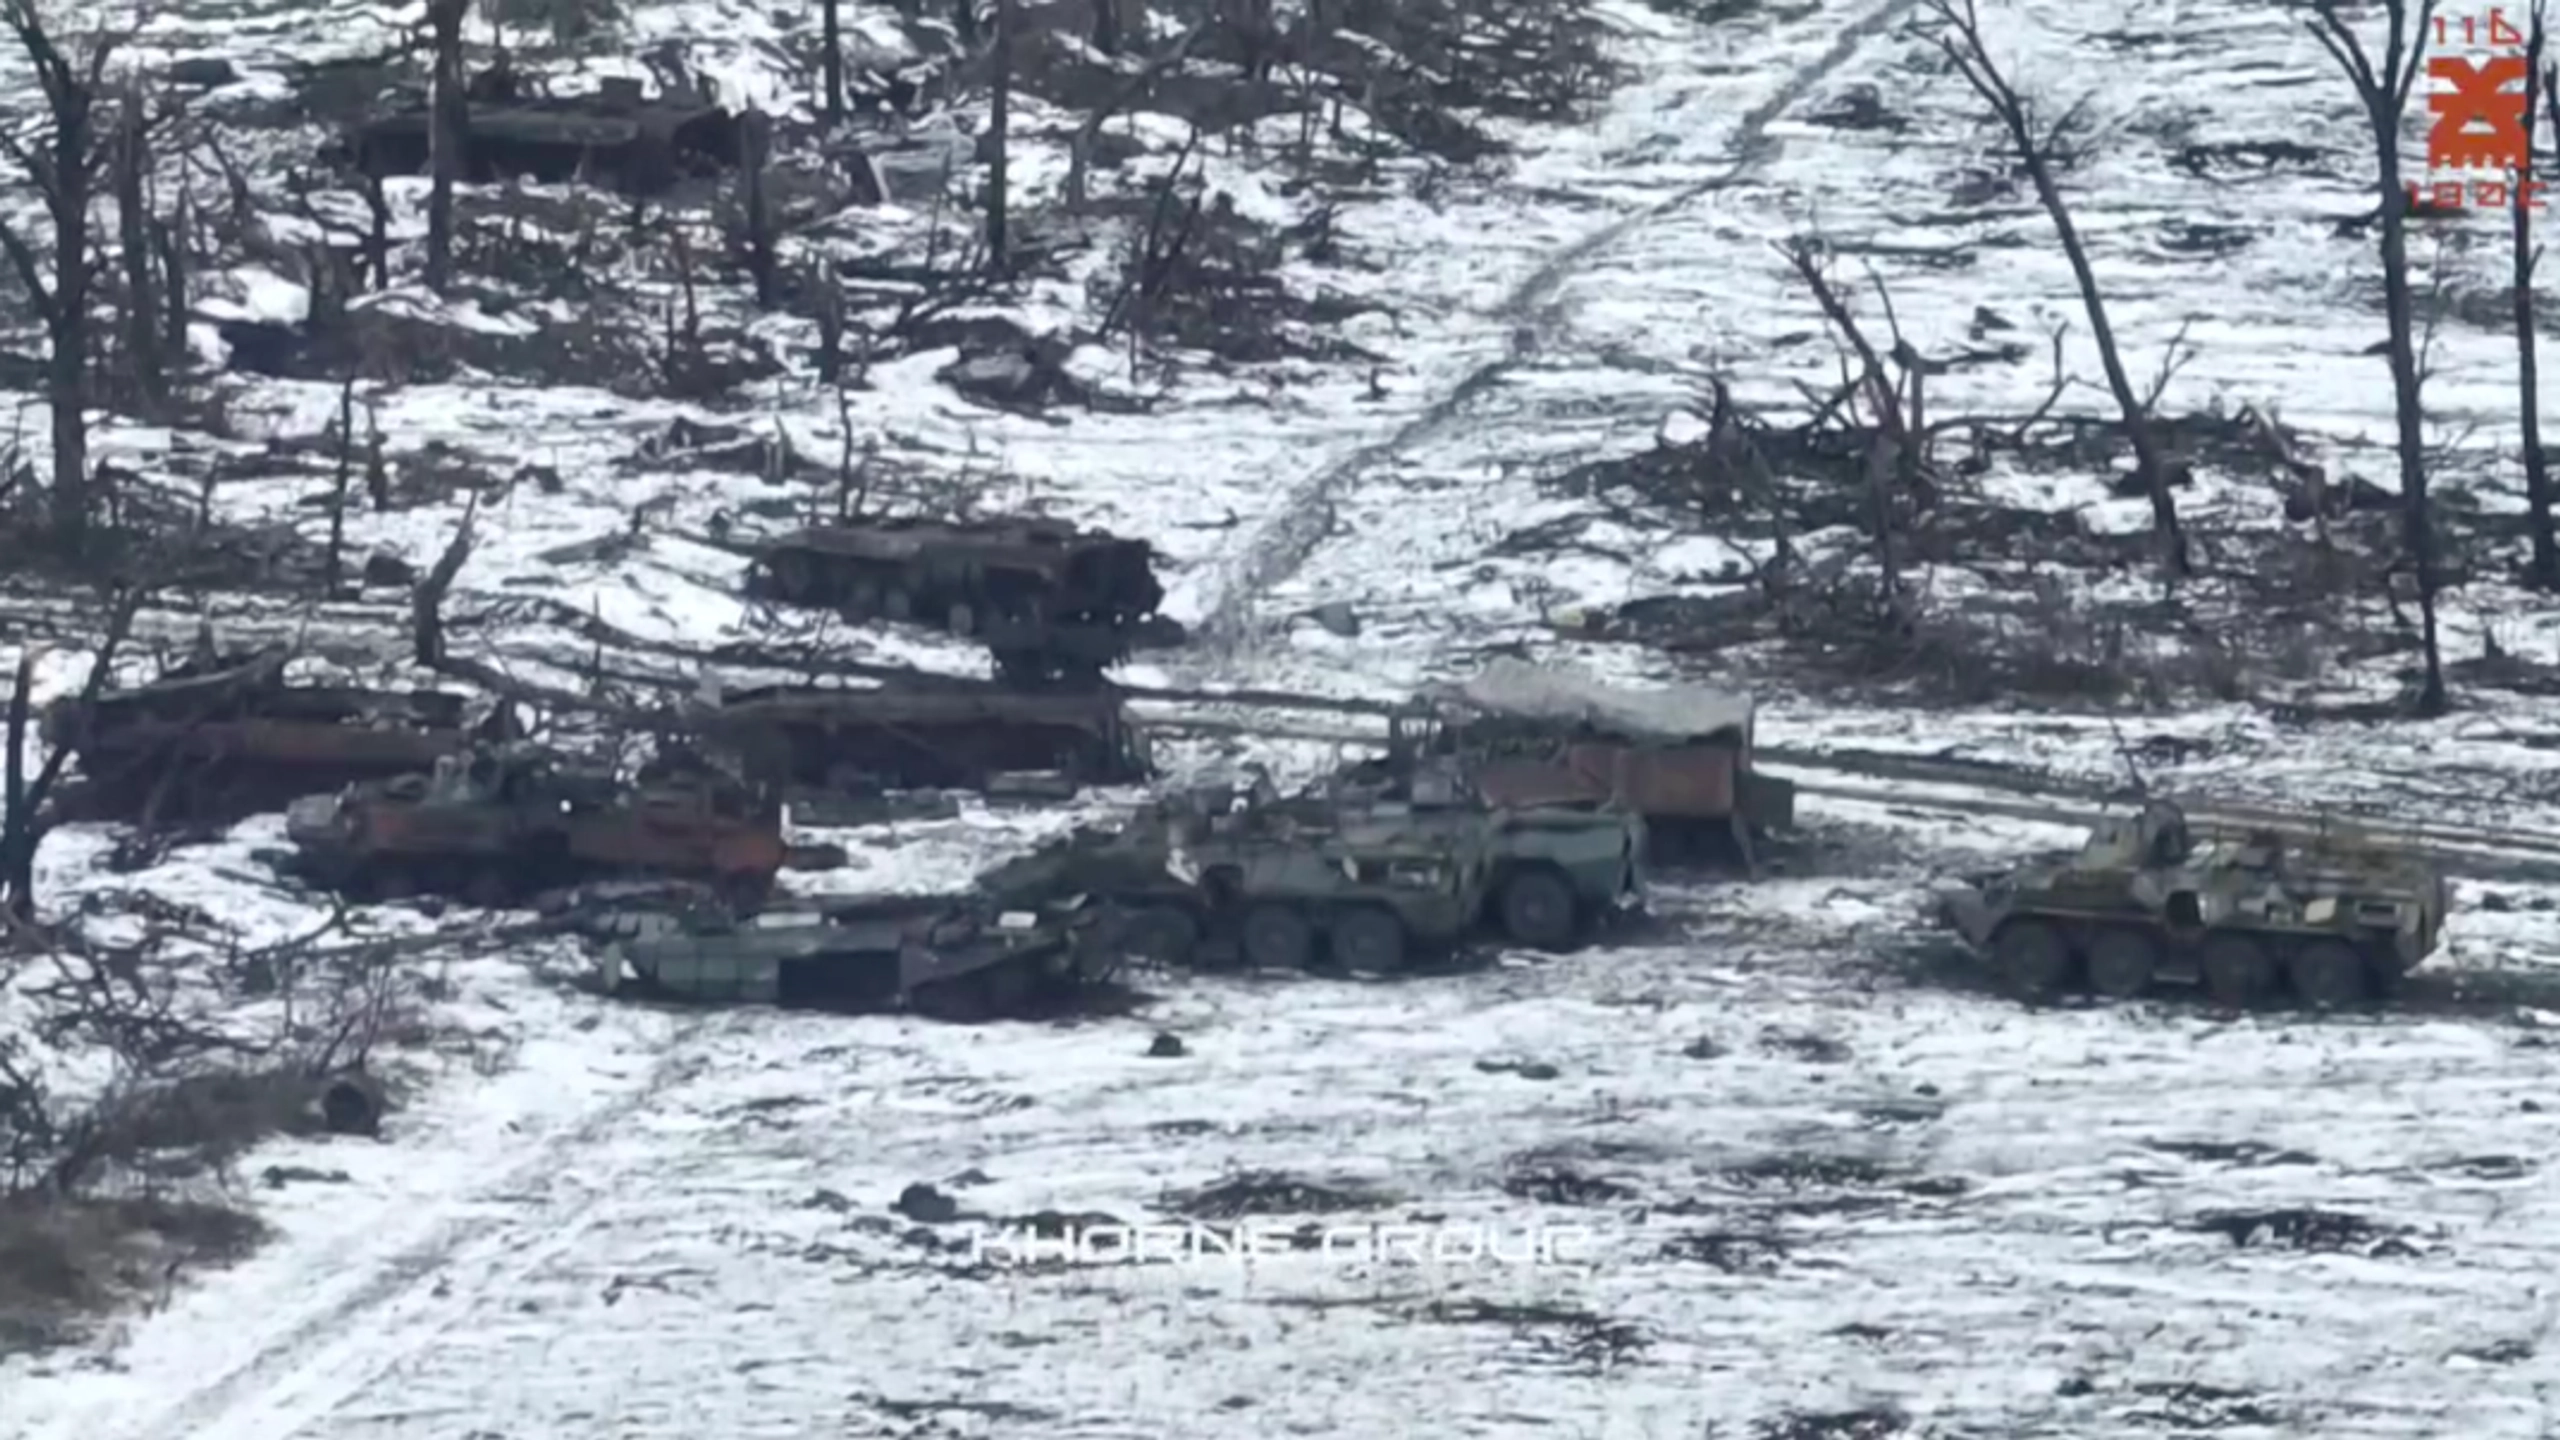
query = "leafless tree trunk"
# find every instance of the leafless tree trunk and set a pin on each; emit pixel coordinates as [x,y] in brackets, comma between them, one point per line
[831,58]
[999,127]
[2539,81]
[1963,43]
[133,237]
[2384,94]
[1106,26]
[448,132]
[64,167]
[755,144]
[22,802]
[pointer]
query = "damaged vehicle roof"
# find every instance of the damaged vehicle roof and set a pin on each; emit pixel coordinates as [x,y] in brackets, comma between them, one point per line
[1561,695]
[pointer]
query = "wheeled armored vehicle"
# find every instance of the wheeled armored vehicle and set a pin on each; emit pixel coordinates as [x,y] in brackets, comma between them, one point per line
[975,578]
[507,822]
[2328,917]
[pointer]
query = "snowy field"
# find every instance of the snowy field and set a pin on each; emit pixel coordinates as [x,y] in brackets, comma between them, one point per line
[1833,1203]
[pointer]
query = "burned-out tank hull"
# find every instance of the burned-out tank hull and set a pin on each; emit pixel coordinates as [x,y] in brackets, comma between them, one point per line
[939,958]
[233,739]
[1017,584]
[617,138]
[2323,917]
[960,735]
[505,827]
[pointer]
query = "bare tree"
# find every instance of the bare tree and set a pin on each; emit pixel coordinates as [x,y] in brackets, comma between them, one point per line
[65,165]
[23,819]
[448,132]
[2036,146]
[2384,93]
[999,126]
[134,226]
[2538,90]
[831,56]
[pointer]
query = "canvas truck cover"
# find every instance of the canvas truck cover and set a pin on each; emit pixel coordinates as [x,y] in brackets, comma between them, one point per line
[1563,696]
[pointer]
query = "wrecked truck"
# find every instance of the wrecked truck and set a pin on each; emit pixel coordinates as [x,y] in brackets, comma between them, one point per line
[223,738]
[950,734]
[944,959]
[1679,756]
[2330,917]
[504,823]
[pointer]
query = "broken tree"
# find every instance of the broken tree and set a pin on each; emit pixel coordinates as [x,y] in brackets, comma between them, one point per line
[2037,147]
[2383,93]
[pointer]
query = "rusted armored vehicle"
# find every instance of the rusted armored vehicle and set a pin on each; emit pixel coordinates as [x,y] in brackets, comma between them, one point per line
[1208,878]
[225,737]
[957,734]
[1679,756]
[1025,587]
[618,137]
[2327,916]
[503,823]
[945,959]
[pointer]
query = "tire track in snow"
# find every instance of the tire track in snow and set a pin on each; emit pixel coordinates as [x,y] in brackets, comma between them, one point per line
[1304,519]
[305,1369]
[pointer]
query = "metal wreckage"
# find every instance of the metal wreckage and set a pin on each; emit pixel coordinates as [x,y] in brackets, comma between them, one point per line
[1524,804]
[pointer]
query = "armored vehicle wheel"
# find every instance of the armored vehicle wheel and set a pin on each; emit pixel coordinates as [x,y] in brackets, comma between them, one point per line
[489,888]
[1007,988]
[2122,963]
[1278,938]
[1538,910]
[896,603]
[792,578]
[1368,938]
[961,619]
[2328,974]
[2033,958]
[2238,971]
[862,599]
[1161,936]
[960,1001]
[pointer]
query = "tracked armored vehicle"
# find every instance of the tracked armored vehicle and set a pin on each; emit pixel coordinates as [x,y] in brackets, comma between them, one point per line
[507,822]
[226,737]
[939,958]
[2329,918]
[959,734]
[1054,604]
[617,136]
[1680,756]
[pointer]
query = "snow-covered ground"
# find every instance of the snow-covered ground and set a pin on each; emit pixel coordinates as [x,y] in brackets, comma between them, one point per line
[1821,1191]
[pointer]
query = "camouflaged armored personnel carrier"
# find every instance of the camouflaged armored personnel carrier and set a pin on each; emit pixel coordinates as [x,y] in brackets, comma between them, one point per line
[506,822]
[1211,878]
[2329,918]
[943,959]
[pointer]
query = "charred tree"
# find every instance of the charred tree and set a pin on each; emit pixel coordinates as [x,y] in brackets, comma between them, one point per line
[2036,146]
[448,132]
[999,128]
[2384,92]
[831,56]
[755,144]
[1106,27]
[2539,83]
[64,165]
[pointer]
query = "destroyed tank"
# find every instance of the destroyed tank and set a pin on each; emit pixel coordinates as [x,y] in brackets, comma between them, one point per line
[1279,885]
[618,136]
[2329,917]
[944,959]
[507,822]
[958,734]
[224,737]
[1040,594]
